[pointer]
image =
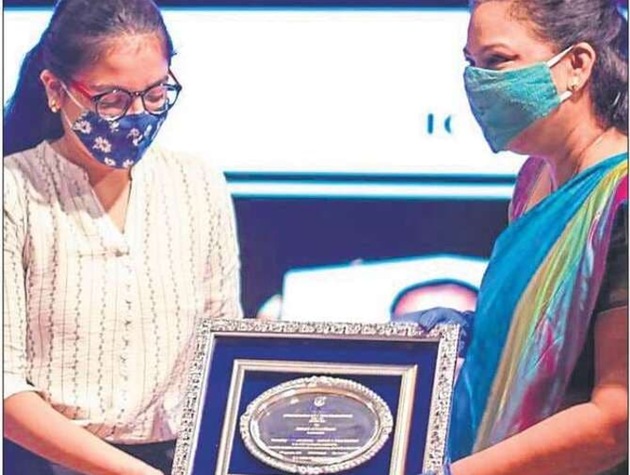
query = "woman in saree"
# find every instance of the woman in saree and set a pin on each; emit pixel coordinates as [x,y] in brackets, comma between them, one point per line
[544,389]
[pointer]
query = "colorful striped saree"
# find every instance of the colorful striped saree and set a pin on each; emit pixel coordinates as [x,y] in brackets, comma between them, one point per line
[534,309]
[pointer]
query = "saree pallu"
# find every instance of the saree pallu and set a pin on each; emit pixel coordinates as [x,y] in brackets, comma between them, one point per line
[534,309]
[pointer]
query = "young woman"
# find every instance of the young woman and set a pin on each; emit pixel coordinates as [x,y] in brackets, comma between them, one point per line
[113,249]
[544,387]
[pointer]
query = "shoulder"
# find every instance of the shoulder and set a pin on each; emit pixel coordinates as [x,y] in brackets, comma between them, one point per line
[197,178]
[613,189]
[21,163]
[20,169]
[192,166]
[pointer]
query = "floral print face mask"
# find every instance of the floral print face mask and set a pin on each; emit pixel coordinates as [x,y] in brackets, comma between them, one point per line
[117,143]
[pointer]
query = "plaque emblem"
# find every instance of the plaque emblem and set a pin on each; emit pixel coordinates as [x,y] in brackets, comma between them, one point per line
[316,425]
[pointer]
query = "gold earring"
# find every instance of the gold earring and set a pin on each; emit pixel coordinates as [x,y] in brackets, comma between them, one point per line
[54,107]
[573,85]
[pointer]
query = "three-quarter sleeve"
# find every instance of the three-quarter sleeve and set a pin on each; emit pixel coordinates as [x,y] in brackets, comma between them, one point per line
[614,290]
[14,307]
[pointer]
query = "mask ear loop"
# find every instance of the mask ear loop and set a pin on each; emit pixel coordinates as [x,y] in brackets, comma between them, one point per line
[555,60]
[75,100]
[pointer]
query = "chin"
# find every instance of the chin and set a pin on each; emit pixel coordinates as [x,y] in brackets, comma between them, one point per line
[520,147]
[528,142]
[537,138]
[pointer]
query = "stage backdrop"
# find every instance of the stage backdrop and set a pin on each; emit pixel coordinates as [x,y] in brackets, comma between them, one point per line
[346,137]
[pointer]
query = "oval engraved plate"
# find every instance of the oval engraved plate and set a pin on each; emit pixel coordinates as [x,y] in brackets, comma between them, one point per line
[316,425]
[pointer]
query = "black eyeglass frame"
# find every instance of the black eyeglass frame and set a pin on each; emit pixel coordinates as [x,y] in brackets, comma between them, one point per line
[177,87]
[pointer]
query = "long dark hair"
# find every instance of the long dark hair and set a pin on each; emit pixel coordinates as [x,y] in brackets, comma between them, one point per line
[76,36]
[599,23]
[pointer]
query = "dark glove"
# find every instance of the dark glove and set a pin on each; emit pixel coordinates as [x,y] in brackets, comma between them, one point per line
[427,319]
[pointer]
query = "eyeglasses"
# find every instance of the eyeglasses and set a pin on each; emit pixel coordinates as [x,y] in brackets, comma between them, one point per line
[114,104]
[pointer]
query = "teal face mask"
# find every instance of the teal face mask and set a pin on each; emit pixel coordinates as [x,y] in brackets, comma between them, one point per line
[507,102]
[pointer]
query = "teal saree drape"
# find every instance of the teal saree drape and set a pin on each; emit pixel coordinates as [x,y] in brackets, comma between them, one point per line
[534,309]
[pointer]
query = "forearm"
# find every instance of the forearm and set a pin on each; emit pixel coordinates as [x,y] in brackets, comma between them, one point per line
[32,423]
[581,440]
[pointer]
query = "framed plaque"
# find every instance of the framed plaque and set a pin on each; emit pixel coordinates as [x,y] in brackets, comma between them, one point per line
[275,398]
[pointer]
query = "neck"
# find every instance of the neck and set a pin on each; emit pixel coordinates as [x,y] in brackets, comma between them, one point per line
[584,146]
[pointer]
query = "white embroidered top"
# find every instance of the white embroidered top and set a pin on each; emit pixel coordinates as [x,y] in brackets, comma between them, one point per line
[99,322]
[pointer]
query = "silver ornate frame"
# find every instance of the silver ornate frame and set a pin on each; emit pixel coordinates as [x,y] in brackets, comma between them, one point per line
[447,337]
